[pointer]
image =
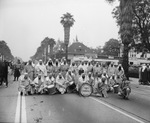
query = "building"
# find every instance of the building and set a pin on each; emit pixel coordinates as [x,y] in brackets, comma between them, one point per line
[138,57]
[78,49]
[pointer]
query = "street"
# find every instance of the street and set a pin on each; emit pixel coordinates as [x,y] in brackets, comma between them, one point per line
[72,108]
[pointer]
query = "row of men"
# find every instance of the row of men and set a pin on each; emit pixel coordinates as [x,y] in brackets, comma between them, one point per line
[70,83]
[83,67]
[63,77]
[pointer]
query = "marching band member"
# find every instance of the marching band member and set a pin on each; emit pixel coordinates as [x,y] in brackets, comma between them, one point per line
[111,83]
[24,84]
[81,71]
[56,68]
[104,68]
[70,82]
[111,70]
[104,74]
[40,68]
[81,66]
[89,68]
[30,70]
[64,68]
[50,80]
[119,71]
[97,81]
[119,77]
[82,79]
[68,77]
[85,67]
[97,69]
[103,87]
[50,84]
[60,83]
[73,67]
[49,67]
[90,79]
[39,83]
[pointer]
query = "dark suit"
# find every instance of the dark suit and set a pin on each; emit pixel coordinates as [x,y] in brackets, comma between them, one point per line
[3,72]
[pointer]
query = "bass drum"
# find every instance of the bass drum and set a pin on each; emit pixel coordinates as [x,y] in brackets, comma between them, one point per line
[86,89]
[51,89]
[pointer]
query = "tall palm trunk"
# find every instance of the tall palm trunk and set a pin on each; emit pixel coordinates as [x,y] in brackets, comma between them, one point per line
[126,30]
[66,36]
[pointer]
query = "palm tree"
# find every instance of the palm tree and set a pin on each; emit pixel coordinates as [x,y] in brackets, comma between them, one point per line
[126,16]
[67,21]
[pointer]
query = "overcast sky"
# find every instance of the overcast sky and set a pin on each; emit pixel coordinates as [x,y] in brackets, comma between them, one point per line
[25,23]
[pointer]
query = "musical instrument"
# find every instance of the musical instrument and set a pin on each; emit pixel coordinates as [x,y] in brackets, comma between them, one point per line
[86,89]
[51,89]
[116,88]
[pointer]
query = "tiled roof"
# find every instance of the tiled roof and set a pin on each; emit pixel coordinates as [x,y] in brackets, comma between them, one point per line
[79,48]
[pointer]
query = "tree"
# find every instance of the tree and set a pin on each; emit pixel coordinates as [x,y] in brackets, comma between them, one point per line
[126,17]
[67,21]
[59,46]
[5,51]
[141,23]
[112,48]
[99,50]
[46,49]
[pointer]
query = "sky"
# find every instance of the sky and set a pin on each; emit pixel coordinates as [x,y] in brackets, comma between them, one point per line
[25,23]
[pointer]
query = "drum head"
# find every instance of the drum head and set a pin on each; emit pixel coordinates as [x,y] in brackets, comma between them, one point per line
[50,86]
[115,86]
[86,89]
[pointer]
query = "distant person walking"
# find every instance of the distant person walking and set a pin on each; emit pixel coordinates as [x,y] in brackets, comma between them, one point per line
[17,69]
[6,73]
[148,74]
[144,75]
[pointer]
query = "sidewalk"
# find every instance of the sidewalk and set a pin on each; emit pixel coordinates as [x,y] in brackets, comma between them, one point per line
[135,81]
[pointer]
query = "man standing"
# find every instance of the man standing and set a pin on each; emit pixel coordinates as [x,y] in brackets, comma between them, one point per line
[40,68]
[30,70]
[1,71]
[17,70]
[144,74]
[111,70]
[6,73]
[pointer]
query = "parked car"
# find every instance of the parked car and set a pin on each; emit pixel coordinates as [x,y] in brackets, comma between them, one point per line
[134,71]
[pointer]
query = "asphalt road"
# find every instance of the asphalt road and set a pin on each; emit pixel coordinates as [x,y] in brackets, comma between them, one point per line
[71,108]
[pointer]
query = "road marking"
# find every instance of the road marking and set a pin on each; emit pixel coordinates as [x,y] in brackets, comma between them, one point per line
[17,116]
[23,113]
[117,110]
[20,116]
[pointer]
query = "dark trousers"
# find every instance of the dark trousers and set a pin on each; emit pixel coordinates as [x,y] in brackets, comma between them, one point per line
[1,80]
[16,78]
[4,79]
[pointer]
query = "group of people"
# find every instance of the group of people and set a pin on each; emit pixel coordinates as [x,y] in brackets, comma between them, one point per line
[144,74]
[61,77]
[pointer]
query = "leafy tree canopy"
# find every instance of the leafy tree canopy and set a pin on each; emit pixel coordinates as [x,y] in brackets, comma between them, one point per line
[5,50]
[60,46]
[111,48]
[141,23]
[40,50]
[67,20]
